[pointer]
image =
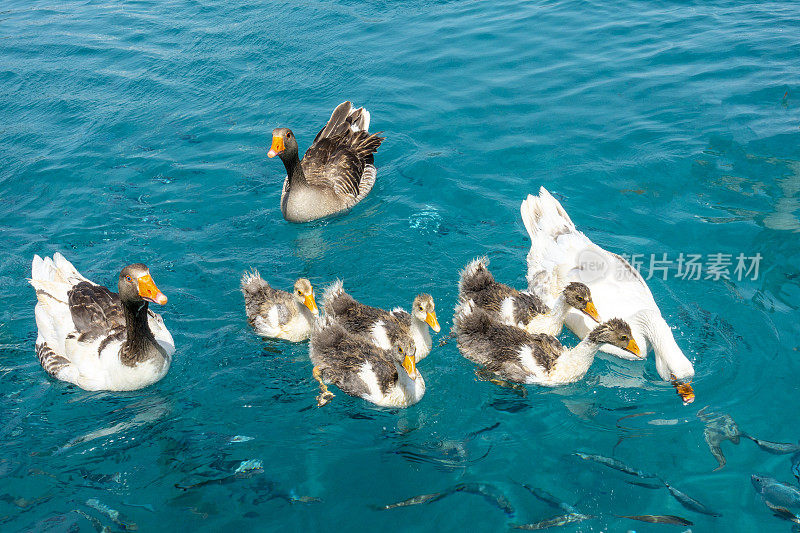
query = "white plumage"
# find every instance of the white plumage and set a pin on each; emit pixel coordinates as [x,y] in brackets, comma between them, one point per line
[560,253]
[92,364]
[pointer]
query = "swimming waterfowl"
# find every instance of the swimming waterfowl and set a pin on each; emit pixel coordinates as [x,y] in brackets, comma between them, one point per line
[540,359]
[276,314]
[560,254]
[521,308]
[94,338]
[388,378]
[336,172]
[384,328]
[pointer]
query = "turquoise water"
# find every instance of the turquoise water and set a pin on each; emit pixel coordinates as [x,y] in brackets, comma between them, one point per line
[138,131]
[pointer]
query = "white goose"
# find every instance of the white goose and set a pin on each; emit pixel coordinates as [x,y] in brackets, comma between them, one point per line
[561,254]
[94,338]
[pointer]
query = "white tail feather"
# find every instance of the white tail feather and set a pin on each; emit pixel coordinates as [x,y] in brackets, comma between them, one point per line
[251,276]
[363,124]
[463,310]
[332,291]
[473,266]
[66,270]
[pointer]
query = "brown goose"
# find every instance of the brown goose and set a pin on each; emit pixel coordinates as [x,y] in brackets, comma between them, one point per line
[524,310]
[384,328]
[540,359]
[337,170]
[94,338]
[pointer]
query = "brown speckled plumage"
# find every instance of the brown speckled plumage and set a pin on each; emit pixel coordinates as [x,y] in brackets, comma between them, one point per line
[341,355]
[496,346]
[481,287]
[337,170]
[359,318]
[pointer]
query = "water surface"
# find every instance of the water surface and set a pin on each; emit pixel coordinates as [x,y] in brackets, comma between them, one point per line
[138,131]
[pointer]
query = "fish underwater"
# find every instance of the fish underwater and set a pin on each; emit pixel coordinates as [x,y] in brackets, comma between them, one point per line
[776,492]
[556,521]
[682,498]
[775,448]
[660,519]
[415,500]
[113,514]
[689,502]
[615,464]
[268,490]
[783,512]
[549,499]
[572,516]
[489,492]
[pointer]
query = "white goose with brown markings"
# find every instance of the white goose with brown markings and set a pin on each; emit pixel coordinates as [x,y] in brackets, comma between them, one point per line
[384,328]
[94,338]
[277,314]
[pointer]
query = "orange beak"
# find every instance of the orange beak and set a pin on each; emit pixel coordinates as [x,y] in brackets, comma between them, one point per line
[432,321]
[149,291]
[311,304]
[411,367]
[591,310]
[634,348]
[277,147]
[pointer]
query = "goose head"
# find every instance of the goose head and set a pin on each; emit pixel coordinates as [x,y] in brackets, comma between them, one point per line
[403,353]
[304,295]
[284,144]
[671,363]
[616,332]
[578,295]
[135,285]
[424,309]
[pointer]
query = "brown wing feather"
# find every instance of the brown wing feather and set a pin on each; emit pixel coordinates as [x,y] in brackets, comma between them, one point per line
[551,349]
[340,357]
[339,161]
[95,310]
[337,123]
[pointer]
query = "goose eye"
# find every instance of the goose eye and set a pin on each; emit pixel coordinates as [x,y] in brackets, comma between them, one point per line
[128,279]
[624,337]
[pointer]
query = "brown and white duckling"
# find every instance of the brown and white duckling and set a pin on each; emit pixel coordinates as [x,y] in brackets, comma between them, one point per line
[521,309]
[384,328]
[95,338]
[388,378]
[336,172]
[540,359]
[277,314]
